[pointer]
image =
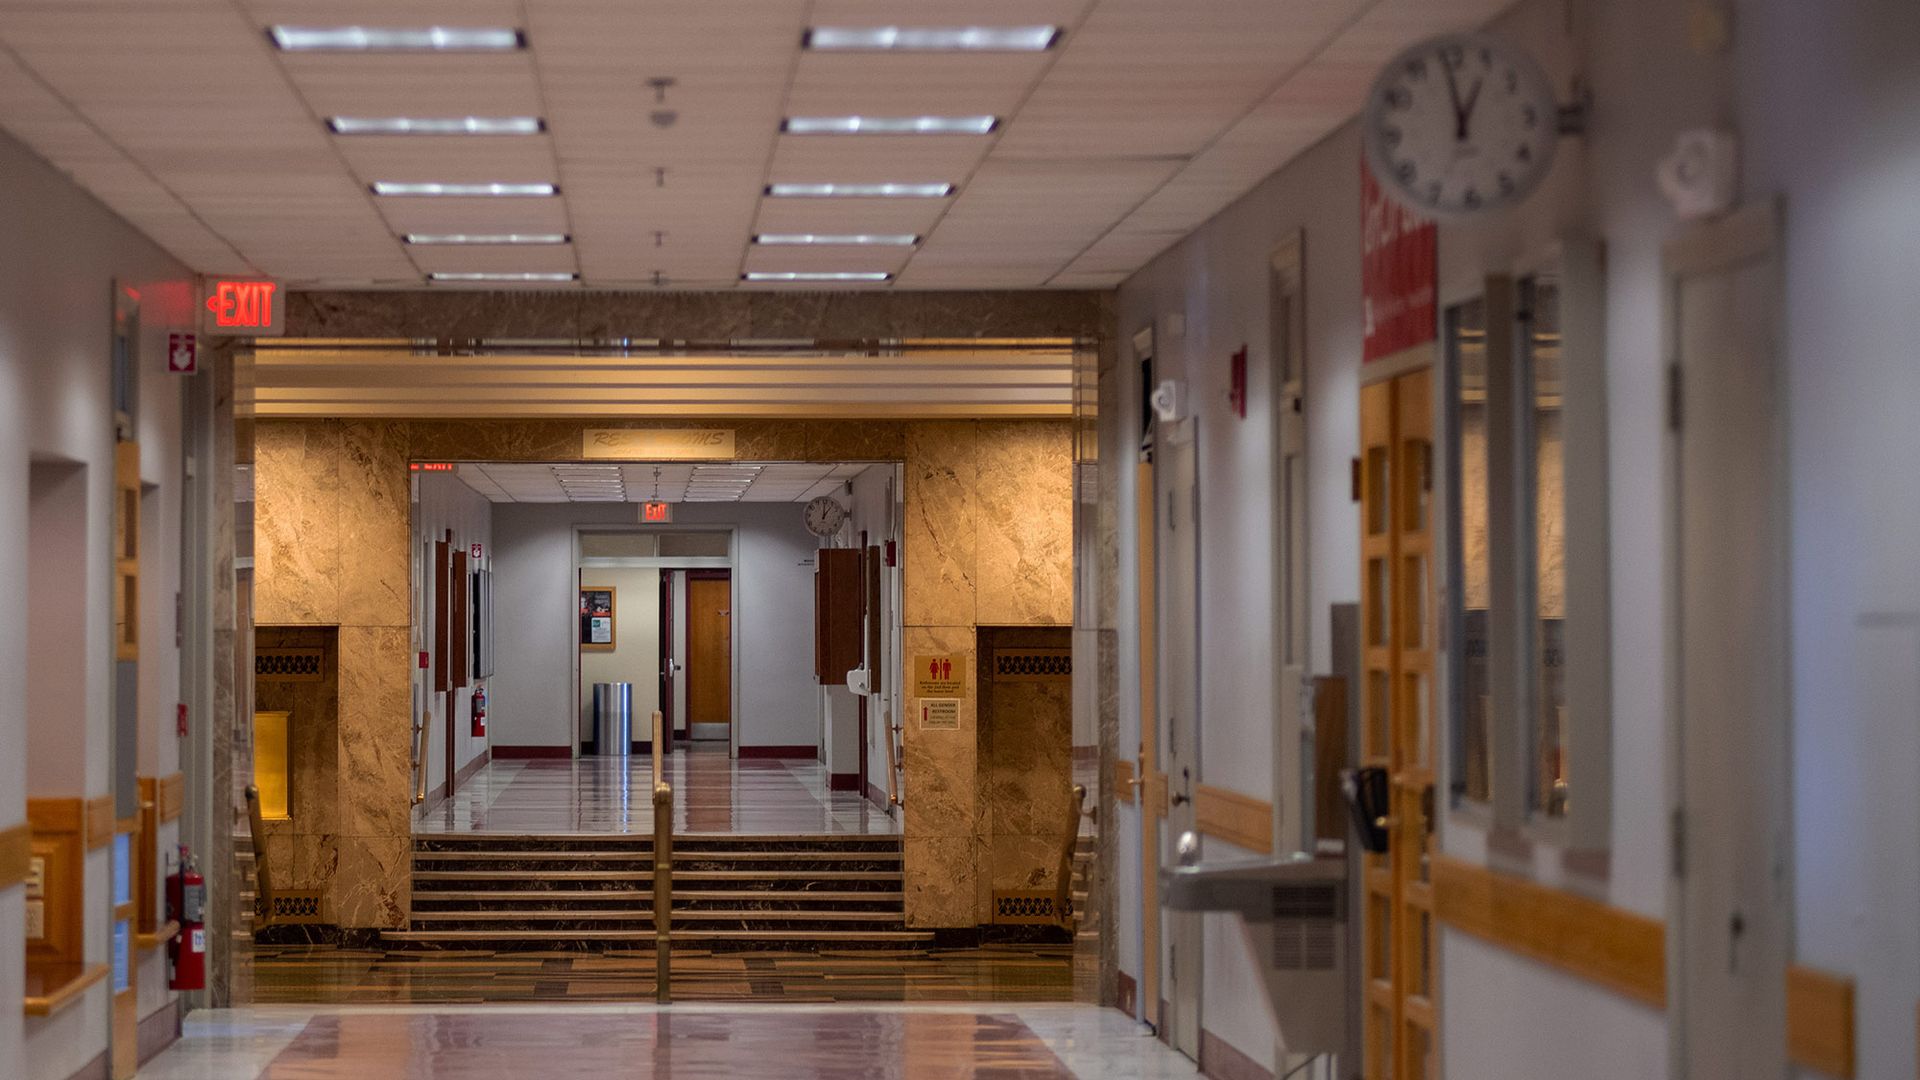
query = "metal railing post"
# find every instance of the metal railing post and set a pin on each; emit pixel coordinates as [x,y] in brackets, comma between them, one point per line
[662,871]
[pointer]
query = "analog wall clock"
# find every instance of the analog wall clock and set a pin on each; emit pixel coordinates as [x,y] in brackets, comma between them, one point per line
[1461,124]
[825,516]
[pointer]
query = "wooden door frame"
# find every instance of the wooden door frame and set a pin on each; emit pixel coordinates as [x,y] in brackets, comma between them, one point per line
[733,649]
[1181,439]
[1754,232]
[668,679]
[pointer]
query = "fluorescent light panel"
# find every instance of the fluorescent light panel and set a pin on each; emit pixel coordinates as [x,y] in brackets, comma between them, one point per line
[436,125]
[859,191]
[501,277]
[396,39]
[392,187]
[932,38]
[889,125]
[837,239]
[486,238]
[816,275]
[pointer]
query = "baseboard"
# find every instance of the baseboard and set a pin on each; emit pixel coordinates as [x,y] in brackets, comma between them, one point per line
[93,1070]
[843,781]
[777,752]
[466,771]
[1128,992]
[344,937]
[1220,1060]
[159,1030]
[527,753]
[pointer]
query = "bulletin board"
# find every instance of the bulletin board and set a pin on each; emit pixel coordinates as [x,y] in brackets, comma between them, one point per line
[596,619]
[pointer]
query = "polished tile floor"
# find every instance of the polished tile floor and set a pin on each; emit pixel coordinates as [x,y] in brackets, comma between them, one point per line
[712,793]
[688,1042]
[326,975]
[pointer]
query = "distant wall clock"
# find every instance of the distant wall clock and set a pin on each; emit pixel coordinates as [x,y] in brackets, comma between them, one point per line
[825,515]
[1462,124]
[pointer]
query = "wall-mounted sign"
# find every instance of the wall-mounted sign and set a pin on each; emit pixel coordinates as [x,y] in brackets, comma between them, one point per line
[656,513]
[474,551]
[249,308]
[183,354]
[938,677]
[657,444]
[596,619]
[1398,259]
[941,714]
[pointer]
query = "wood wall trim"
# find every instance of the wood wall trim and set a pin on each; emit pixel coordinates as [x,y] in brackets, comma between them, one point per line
[51,817]
[1233,817]
[1153,789]
[100,822]
[1618,949]
[16,852]
[171,796]
[1820,1021]
[1123,780]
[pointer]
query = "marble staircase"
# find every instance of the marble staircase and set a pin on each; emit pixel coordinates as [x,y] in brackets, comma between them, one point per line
[730,892]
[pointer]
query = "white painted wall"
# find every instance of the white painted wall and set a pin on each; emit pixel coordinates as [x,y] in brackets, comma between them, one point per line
[63,252]
[1822,98]
[536,615]
[443,502]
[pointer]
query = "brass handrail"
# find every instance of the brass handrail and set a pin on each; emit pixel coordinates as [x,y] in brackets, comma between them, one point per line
[419,751]
[1069,844]
[893,763]
[662,870]
[262,875]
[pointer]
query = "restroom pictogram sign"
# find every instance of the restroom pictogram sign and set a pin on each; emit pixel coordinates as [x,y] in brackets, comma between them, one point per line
[938,676]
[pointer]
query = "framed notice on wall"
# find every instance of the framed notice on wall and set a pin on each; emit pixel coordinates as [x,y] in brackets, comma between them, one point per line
[596,619]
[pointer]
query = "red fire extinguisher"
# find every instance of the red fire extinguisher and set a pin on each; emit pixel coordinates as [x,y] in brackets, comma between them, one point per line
[186,902]
[480,712]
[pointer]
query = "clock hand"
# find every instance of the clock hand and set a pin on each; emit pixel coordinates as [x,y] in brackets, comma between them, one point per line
[1453,92]
[1466,113]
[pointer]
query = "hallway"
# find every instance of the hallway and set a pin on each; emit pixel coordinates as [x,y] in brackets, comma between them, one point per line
[712,794]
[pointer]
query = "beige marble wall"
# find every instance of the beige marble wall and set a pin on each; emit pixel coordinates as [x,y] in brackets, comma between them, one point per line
[332,522]
[1025,766]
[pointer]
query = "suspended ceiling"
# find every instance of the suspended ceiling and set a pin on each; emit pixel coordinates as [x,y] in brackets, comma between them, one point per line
[1146,118]
[677,482]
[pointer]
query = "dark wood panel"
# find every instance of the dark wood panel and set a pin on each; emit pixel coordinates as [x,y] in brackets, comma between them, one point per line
[838,602]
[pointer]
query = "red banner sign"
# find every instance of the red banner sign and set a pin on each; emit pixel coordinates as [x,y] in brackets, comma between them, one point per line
[1397,271]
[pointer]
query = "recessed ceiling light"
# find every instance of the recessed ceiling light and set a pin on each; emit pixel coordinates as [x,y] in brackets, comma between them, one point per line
[816,275]
[860,191]
[436,125]
[486,238]
[889,125]
[390,187]
[839,239]
[932,38]
[461,276]
[393,38]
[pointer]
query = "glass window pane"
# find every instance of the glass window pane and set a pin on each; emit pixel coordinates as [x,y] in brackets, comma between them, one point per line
[1541,300]
[1470,594]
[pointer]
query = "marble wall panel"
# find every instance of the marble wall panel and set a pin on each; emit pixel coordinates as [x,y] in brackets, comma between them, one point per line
[940,533]
[1024,546]
[371,886]
[1025,765]
[940,769]
[698,316]
[856,440]
[375,525]
[375,727]
[297,523]
[941,886]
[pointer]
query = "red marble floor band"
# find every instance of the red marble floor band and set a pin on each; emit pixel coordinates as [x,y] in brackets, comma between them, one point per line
[790,1045]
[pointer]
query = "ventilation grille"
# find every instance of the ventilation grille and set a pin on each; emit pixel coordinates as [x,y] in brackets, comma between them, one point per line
[1307,926]
[1023,907]
[1033,665]
[298,907]
[289,665]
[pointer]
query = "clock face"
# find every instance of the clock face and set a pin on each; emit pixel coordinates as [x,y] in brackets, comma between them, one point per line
[824,516]
[1461,124]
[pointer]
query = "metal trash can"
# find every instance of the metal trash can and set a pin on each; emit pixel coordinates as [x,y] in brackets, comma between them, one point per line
[613,718]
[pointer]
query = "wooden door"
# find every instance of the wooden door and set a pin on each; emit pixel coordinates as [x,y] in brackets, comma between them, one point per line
[1397,710]
[1734,920]
[709,654]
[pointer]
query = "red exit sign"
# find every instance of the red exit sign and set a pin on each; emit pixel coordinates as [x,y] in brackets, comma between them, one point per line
[432,466]
[656,512]
[236,307]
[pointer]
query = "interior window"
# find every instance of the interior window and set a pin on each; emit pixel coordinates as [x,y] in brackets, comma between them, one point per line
[1546,495]
[1472,566]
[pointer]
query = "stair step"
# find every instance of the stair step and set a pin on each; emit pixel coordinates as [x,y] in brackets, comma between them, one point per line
[678,875]
[679,916]
[646,936]
[647,894]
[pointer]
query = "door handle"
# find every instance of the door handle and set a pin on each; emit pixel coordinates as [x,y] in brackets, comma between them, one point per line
[1180,800]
